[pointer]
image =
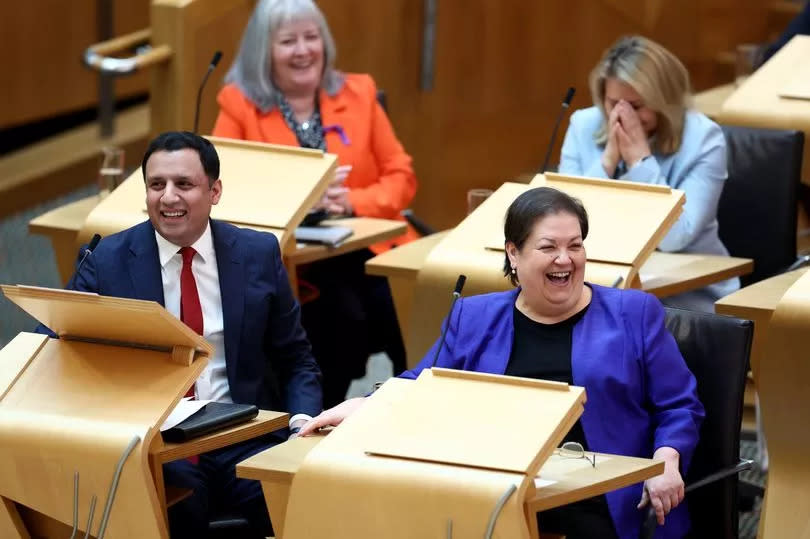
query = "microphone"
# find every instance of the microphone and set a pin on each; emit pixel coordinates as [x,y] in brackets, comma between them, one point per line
[90,248]
[456,294]
[214,61]
[569,95]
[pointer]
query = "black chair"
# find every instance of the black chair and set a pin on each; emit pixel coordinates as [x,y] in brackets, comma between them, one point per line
[757,211]
[716,350]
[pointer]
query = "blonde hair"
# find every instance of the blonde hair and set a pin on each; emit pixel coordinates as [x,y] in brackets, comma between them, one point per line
[659,78]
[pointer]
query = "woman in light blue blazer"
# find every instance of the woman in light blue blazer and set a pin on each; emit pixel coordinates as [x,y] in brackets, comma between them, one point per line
[641,129]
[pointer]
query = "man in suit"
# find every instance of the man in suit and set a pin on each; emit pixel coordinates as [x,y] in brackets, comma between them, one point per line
[231,287]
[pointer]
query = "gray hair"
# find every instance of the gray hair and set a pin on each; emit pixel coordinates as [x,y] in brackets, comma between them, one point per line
[251,70]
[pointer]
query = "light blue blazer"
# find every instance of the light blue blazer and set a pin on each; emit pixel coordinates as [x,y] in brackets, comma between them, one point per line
[698,168]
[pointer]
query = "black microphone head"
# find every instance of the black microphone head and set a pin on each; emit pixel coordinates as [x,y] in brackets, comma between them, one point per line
[460,284]
[215,60]
[94,242]
[569,95]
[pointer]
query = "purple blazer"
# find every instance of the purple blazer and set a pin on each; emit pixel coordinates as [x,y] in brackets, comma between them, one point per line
[641,396]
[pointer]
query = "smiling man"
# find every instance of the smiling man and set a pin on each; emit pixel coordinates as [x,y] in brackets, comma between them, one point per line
[229,285]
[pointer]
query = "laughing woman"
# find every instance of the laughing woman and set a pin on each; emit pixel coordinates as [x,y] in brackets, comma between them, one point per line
[642,399]
[641,129]
[283,88]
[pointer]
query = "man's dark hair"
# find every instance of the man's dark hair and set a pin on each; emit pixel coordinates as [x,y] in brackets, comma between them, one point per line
[529,208]
[171,141]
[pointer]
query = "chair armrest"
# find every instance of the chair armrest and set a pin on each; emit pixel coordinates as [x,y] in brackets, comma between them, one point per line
[799,263]
[648,527]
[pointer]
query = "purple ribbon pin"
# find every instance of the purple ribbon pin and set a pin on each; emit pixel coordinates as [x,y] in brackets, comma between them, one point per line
[339,130]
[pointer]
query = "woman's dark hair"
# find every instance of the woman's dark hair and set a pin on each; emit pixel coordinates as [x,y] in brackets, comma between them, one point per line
[172,141]
[530,207]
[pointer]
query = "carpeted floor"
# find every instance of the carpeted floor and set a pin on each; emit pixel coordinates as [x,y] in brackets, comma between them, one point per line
[27,259]
[749,521]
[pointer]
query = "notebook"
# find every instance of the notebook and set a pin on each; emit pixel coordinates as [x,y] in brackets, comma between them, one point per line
[211,417]
[332,236]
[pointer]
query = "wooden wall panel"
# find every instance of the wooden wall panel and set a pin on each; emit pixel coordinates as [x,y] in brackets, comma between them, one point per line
[43,42]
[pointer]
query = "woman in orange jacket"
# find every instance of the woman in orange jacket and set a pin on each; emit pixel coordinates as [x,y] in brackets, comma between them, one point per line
[282,88]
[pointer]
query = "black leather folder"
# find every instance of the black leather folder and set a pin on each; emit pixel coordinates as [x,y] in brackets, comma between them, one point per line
[211,417]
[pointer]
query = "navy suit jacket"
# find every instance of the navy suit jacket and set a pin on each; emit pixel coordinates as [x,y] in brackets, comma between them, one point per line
[641,395]
[267,354]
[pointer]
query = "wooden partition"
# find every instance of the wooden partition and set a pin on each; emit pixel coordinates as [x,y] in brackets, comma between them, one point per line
[194,31]
[785,406]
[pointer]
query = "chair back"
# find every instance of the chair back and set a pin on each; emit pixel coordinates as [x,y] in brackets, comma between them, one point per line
[757,212]
[382,99]
[716,349]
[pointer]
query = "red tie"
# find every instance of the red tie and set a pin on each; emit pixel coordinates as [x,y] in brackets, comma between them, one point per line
[190,309]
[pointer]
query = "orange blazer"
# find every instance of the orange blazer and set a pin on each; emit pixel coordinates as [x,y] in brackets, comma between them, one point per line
[381,182]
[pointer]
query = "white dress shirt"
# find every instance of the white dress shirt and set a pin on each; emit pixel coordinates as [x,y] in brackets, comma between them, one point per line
[213,382]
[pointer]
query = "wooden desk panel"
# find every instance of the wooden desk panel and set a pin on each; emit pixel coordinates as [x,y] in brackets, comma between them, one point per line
[575,479]
[668,274]
[757,302]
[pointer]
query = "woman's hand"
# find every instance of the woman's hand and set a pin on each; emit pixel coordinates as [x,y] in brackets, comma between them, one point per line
[341,173]
[611,155]
[333,416]
[632,140]
[664,491]
[336,198]
[297,424]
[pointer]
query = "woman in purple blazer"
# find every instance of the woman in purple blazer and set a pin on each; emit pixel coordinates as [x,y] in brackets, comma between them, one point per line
[642,399]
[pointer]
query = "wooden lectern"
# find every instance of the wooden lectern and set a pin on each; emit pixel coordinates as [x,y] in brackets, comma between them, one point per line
[264,186]
[627,221]
[78,413]
[431,458]
[432,455]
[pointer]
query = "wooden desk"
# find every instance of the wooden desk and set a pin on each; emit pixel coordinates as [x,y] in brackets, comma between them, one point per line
[758,103]
[63,224]
[710,101]
[365,231]
[162,452]
[668,274]
[757,302]
[40,525]
[575,478]
[664,274]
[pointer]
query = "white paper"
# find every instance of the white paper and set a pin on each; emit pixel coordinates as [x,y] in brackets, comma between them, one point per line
[539,482]
[184,409]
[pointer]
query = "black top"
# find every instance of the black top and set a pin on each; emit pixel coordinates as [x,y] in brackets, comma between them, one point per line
[544,351]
